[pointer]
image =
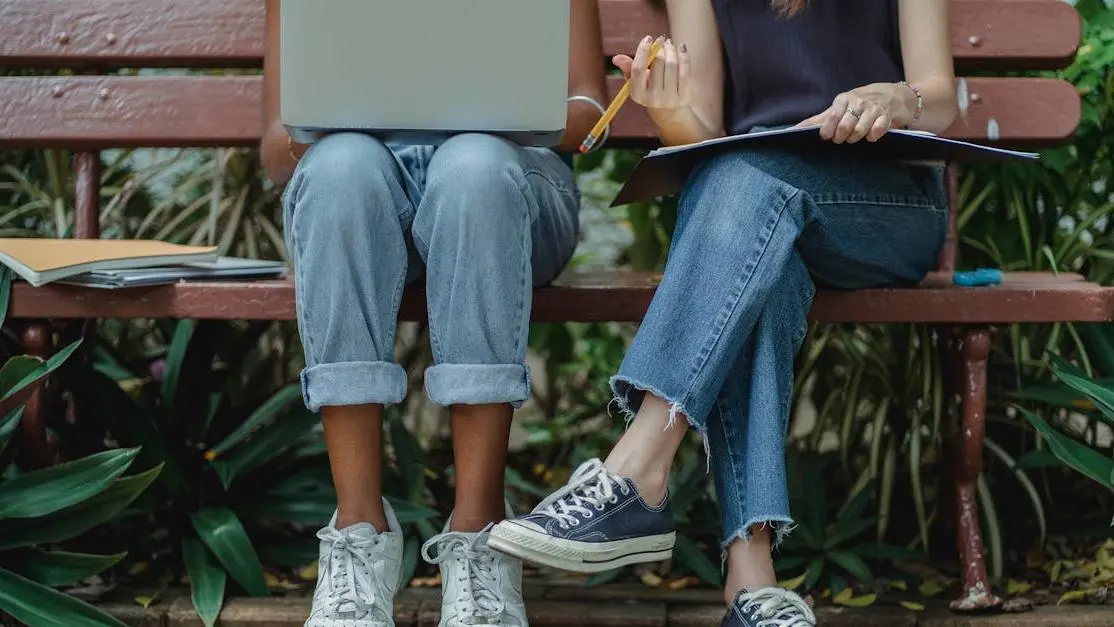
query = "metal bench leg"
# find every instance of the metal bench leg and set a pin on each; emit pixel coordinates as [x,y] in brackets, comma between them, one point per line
[977,594]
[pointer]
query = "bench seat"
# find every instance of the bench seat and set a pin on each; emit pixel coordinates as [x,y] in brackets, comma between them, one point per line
[603,296]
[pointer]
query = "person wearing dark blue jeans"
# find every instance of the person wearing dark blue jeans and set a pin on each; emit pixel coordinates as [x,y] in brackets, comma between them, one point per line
[757,231]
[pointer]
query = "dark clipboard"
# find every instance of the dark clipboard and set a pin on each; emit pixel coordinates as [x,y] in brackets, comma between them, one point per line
[663,171]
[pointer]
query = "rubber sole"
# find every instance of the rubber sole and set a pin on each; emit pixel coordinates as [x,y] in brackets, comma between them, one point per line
[579,557]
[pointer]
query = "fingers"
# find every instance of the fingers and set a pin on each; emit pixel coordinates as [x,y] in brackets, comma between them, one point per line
[833,116]
[865,122]
[684,71]
[624,63]
[640,72]
[881,127]
[670,64]
[657,72]
[658,83]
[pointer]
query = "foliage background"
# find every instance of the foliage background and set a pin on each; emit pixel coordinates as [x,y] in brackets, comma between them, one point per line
[215,404]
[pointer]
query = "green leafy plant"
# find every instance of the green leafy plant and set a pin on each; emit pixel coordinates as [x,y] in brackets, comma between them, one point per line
[246,479]
[836,552]
[43,509]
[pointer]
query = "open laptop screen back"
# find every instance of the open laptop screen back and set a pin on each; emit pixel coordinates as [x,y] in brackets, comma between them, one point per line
[440,66]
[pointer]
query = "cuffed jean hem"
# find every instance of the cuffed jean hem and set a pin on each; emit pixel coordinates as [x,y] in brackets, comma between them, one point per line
[353,383]
[478,384]
[781,525]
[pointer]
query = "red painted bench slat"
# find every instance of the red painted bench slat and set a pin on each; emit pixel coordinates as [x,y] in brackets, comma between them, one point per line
[112,111]
[602,297]
[986,34]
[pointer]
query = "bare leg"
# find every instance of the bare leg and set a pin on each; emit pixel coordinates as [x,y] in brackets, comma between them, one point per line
[750,565]
[354,437]
[645,452]
[481,434]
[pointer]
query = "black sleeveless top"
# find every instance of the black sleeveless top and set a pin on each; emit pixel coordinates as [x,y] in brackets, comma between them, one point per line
[782,70]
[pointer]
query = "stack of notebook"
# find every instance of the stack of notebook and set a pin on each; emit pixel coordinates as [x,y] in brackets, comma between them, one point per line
[111,264]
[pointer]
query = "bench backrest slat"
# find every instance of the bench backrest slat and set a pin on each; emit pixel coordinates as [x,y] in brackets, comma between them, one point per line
[112,111]
[986,34]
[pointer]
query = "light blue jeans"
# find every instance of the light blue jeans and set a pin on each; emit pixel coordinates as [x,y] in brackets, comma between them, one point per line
[755,231]
[482,219]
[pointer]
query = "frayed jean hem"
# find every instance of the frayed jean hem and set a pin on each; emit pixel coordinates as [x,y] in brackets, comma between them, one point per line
[353,383]
[623,388]
[781,526]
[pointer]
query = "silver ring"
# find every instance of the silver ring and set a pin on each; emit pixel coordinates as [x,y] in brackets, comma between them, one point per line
[853,112]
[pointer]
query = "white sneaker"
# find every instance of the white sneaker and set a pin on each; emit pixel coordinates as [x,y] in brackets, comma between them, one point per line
[358,574]
[479,587]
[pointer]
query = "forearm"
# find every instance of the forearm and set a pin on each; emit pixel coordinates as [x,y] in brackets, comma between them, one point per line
[581,118]
[683,126]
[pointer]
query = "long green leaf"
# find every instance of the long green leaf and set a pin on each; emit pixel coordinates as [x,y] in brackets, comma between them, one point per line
[16,392]
[688,554]
[308,509]
[853,564]
[5,292]
[8,426]
[71,521]
[221,531]
[1101,396]
[207,580]
[59,568]
[409,512]
[39,606]
[268,442]
[1082,458]
[267,411]
[175,355]
[46,491]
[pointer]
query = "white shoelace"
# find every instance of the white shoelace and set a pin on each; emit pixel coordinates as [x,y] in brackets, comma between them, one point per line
[589,489]
[347,554]
[778,607]
[479,600]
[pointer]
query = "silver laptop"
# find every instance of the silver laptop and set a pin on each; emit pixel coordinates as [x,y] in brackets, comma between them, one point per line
[419,71]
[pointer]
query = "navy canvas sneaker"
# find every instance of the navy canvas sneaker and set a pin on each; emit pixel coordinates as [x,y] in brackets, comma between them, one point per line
[769,607]
[595,523]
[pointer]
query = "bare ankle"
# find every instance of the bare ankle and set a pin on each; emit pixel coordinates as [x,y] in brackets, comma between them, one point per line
[375,516]
[471,522]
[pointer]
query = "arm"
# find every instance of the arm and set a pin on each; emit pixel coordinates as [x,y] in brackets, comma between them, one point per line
[692,23]
[586,74]
[871,110]
[926,45]
[274,150]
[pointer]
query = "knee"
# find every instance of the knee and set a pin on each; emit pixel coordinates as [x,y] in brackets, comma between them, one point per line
[484,172]
[342,180]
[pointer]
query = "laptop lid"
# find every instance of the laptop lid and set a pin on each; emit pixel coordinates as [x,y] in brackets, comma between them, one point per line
[426,69]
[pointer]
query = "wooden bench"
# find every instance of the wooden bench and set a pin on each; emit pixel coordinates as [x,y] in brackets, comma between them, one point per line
[89,109]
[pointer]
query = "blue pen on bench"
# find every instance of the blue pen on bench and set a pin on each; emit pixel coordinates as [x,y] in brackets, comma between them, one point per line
[980,277]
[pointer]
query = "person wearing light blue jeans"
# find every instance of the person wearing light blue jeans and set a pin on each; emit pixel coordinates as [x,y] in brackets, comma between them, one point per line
[478,221]
[757,231]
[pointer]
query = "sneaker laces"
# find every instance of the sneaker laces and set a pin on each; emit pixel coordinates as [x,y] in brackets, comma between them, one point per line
[348,553]
[591,487]
[777,607]
[479,600]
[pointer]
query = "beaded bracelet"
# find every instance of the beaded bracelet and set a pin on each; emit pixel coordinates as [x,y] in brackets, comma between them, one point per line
[920,100]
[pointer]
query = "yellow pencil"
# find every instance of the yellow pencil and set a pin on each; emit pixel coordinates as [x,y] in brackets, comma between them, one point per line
[620,100]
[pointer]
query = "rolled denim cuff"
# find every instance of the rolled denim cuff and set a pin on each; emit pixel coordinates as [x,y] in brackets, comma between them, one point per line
[477,384]
[353,383]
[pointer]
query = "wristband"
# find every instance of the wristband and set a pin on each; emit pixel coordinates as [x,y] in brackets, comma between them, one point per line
[603,111]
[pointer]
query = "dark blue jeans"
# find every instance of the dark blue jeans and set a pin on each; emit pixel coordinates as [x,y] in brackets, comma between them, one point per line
[756,231]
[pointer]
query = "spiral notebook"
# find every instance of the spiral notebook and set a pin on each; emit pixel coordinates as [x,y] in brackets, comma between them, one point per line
[664,171]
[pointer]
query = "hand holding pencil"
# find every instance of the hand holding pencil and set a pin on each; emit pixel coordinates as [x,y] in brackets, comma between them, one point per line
[656,79]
